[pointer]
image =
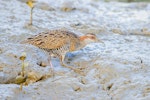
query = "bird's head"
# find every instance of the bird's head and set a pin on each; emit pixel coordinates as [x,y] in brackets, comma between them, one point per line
[89,38]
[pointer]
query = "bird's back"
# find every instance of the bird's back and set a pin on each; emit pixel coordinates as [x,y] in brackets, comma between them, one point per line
[55,39]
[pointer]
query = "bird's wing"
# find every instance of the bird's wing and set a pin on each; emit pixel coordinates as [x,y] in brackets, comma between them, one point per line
[49,40]
[72,46]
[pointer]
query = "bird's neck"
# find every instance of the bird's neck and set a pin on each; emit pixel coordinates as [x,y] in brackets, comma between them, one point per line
[83,42]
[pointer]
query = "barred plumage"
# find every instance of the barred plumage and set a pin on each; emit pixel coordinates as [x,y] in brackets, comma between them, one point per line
[59,42]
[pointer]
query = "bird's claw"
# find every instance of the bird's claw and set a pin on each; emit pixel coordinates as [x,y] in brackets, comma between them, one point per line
[77,70]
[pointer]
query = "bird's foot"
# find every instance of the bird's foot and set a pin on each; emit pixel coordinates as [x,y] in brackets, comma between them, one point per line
[77,70]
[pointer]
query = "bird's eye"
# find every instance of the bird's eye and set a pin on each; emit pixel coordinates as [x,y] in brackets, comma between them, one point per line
[92,37]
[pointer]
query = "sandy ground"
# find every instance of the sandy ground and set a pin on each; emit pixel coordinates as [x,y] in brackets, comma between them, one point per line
[118,70]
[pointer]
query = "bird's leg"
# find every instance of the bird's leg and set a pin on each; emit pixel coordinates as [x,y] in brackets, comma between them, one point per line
[62,63]
[51,65]
[62,57]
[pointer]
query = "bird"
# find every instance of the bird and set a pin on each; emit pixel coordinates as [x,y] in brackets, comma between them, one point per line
[59,42]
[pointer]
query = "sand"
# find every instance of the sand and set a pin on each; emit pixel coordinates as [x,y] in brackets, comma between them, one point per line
[119,69]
